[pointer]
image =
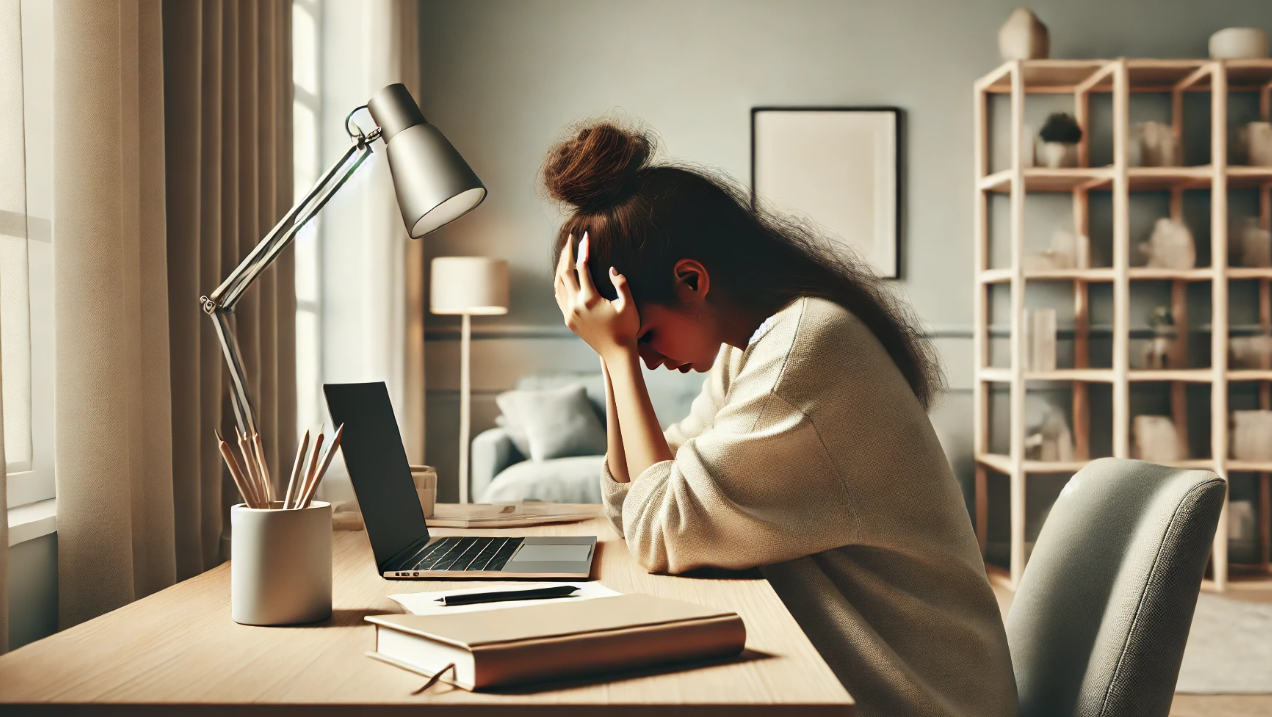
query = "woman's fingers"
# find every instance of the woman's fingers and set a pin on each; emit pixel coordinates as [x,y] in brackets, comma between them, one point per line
[624,298]
[587,290]
[565,274]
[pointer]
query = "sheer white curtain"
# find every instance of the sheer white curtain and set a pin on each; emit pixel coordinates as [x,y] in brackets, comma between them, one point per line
[12,237]
[373,302]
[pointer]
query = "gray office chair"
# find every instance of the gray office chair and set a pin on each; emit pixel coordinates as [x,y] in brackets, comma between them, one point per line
[1099,621]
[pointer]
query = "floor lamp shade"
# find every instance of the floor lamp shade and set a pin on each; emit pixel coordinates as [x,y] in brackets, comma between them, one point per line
[472,285]
[434,185]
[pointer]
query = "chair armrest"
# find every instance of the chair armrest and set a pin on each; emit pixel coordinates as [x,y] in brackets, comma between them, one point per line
[492,451]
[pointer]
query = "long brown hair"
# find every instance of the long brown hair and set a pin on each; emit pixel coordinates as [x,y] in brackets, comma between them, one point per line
[643,217]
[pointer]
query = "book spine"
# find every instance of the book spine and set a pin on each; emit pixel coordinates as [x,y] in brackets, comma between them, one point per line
[609,651]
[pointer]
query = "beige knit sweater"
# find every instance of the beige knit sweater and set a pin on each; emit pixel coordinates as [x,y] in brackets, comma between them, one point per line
[808,455]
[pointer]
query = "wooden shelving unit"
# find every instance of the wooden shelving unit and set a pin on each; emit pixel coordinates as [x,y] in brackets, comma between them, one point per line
[1120,77]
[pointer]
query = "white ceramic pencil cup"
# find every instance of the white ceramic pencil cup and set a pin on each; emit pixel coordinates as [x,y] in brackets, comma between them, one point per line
[280,564]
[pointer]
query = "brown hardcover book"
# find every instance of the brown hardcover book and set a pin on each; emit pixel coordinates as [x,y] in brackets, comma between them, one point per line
[555,641]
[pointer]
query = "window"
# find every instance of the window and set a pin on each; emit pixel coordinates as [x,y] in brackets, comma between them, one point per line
[26,263]
[306,121]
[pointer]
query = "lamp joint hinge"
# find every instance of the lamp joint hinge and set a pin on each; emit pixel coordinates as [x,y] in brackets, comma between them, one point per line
[209,306]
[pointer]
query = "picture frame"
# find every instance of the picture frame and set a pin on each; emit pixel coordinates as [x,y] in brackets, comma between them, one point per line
[841,168]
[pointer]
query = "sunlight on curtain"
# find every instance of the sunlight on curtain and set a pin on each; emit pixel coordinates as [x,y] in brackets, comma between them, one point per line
[306,114]
[15,305]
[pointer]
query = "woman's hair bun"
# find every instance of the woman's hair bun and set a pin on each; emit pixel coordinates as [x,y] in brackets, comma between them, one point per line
[598,167]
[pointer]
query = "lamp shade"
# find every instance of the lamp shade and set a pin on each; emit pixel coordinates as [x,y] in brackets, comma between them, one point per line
[434,185]
[468,285]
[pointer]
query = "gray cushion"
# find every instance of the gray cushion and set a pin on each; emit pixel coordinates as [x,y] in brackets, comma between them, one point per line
[1101,616]
[671,392]
[564,480]
[557,423]
[593,383]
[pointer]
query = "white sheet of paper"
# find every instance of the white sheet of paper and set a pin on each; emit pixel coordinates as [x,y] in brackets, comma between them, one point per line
[425,603]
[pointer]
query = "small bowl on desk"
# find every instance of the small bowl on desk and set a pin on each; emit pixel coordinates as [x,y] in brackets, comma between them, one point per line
[280,564]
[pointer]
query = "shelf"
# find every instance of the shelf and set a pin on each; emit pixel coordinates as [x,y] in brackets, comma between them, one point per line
[1244,177]
[1249,466]
[1003,276]
[1168,79]
[1249,374]
[1085,375]
[1134,273]
[1043,179]
[1043,75]
[1143,75]
[1189,375]
[1144,273]
[1139,179]
[1002,464]
[1248,272]
[1105,375]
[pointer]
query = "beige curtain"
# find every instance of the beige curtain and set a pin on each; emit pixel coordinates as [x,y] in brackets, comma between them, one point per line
[153,99]
[113,407]
[229,175]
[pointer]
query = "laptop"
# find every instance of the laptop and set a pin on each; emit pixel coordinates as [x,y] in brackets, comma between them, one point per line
[373,453]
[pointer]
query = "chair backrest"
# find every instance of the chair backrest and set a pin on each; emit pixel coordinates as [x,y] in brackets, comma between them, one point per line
[1100,618]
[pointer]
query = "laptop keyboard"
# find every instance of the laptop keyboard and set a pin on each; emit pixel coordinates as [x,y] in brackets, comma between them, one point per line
[465,554]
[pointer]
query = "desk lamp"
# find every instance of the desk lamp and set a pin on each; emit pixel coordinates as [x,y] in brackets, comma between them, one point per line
[434,187]
[468,286]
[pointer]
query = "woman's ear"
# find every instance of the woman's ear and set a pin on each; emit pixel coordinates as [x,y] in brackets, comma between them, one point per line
[692,281]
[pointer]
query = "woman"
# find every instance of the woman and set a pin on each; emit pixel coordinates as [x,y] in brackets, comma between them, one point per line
[808,454]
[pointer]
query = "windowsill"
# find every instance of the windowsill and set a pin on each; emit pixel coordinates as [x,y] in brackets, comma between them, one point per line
[28,522]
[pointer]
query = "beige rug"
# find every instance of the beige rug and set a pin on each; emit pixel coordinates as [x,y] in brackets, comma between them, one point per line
[1229,648]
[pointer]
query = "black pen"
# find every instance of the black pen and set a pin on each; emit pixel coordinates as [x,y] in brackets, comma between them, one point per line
[555,591]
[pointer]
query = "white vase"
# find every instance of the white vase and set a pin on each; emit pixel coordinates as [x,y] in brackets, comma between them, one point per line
[1155,145]
[1023,37]
[1257,138]
[1171,246]
[1156,439]
[1250,245]
[1252,435]
[1058,154]
[1239,43]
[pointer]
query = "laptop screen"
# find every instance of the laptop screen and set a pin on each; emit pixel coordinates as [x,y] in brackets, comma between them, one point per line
[381,477]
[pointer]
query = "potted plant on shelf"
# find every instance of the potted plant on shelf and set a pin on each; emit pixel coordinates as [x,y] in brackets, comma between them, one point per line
[1060,137]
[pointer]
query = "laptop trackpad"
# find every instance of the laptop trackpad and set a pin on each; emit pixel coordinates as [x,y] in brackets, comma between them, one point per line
[541,553]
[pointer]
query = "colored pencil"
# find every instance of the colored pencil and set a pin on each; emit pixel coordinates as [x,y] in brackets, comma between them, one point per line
[235,472]
[322,468]
[259,451]
[293,484]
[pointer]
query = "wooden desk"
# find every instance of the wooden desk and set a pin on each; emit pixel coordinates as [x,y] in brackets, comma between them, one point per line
[178,652]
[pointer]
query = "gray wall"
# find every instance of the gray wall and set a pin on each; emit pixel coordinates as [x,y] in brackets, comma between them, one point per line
[32,590]
[502,77]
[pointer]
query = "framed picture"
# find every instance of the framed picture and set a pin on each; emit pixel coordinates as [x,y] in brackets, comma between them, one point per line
[837,166]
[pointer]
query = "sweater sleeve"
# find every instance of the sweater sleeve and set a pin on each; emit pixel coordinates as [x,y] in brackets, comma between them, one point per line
[756,488]
[701,414]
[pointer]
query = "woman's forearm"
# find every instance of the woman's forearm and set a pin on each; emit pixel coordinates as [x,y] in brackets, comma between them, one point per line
[615,455]
[642,438]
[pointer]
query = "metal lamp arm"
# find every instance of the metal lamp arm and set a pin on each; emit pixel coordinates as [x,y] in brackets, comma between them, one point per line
[220,303]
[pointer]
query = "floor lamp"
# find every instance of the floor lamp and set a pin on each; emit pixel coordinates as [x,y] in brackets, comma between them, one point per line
[468,286]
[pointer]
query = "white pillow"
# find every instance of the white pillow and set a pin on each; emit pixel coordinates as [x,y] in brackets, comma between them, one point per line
[556,423]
